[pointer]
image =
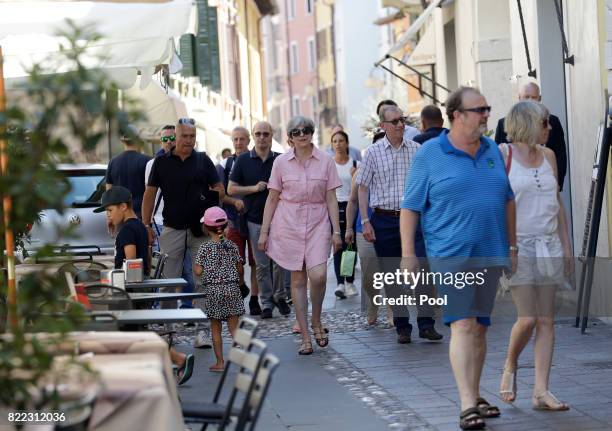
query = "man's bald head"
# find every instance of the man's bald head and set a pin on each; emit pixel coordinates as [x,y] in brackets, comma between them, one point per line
[530,91]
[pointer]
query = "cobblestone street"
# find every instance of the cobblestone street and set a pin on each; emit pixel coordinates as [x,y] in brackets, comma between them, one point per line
[377,384]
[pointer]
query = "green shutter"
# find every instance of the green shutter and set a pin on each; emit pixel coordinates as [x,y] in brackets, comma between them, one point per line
[207,46]
[187,54]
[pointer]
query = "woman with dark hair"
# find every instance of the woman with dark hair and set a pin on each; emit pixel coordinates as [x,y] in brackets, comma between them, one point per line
[346,167]
[300,206]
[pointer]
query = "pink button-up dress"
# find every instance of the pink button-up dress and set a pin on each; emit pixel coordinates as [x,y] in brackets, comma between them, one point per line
[301,231]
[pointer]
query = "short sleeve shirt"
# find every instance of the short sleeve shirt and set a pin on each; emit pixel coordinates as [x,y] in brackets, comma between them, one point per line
[248,170]
[462,199]
[176,179]
[127,170]
[132,232]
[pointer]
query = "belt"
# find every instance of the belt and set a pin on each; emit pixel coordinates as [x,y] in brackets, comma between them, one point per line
[392,213]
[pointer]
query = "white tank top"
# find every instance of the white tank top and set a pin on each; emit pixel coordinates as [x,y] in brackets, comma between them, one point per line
[535,192]
[343,193]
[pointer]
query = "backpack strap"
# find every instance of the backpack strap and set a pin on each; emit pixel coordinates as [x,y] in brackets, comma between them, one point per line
[355,163]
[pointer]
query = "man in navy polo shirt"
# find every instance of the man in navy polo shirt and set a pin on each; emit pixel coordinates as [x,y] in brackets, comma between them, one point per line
[249,179]
[459,190]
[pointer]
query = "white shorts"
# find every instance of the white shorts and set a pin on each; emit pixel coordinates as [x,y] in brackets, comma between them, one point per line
[540,261]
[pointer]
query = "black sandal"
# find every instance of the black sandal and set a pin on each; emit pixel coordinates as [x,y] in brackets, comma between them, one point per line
[320,334]
[470,419]
[486,409]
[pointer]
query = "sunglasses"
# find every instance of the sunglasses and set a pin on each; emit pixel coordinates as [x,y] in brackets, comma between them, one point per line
[170,138]
[299,132]
[478,110]
[262,134]
[545,123]
[396,121]
[186,121]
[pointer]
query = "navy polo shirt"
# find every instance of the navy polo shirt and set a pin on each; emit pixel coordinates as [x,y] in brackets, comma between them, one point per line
[248,170]
[181,182]
[462,200]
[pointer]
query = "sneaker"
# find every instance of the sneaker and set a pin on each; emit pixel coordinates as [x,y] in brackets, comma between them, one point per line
[283,308]
[350,289]
[340,293]
[254,307]
[266,313]
[203,340]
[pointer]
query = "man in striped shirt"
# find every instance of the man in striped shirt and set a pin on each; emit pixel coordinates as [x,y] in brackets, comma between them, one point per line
[382,176]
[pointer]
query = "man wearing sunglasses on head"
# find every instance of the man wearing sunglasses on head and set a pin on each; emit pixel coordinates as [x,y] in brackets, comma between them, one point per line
[188,182]
[167,142]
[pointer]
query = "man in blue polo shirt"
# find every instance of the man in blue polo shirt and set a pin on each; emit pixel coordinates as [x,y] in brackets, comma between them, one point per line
[249,179]
[459,190]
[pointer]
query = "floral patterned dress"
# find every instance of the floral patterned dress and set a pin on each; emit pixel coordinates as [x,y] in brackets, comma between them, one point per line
[220,280]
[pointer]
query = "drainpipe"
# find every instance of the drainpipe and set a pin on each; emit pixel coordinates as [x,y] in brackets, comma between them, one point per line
[246,26]
[289,86]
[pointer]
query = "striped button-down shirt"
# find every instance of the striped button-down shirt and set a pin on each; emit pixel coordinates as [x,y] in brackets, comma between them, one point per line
[383,170]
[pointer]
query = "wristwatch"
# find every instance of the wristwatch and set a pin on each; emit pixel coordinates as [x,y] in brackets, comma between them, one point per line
[513,248]
[364,221]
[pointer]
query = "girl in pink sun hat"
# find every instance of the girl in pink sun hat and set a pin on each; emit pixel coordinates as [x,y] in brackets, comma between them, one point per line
[219,265]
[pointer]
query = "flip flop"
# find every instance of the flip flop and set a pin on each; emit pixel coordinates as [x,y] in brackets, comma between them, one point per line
[186,370]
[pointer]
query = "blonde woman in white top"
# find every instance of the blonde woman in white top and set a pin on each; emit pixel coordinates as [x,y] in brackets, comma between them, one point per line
[544,251]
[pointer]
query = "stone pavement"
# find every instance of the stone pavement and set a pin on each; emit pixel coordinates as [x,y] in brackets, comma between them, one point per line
[366,381]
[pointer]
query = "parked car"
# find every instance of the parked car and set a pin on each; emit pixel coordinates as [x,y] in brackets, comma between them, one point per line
[90,229]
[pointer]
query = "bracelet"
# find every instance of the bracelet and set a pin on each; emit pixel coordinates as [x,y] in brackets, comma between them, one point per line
[337,233]
[364,221]
[513,248]
[349,228]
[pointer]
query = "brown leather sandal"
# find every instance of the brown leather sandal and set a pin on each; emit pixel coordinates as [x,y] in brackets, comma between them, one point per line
[306,348]
[320,334]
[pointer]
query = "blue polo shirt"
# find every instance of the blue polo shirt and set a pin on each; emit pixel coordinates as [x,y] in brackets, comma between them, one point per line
[462,200]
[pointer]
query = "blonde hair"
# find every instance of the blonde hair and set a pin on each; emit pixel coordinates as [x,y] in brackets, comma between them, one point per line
[524,122]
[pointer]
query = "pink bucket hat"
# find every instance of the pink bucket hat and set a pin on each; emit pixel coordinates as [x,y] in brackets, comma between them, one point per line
[214,216]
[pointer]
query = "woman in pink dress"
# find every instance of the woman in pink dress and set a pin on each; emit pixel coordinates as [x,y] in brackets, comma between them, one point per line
[296,230]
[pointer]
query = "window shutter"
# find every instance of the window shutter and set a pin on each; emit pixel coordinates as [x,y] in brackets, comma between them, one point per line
[207,46]
[187,54]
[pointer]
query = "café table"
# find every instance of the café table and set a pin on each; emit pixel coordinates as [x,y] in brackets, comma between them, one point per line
[147,317]
[156,283]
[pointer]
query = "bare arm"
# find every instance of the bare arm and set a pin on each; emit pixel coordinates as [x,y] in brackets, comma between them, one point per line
[364,200]
[334,215]
[351,211]
[148,200]
[562,227]
[130,251]
[408,223]
[218,187]
[197,270]
[236,189]
[108,186]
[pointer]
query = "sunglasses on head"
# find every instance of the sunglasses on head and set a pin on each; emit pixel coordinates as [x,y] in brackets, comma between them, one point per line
[299,132]
[396,121]
[262,134]
[478,110]
[170,138]
[190,121]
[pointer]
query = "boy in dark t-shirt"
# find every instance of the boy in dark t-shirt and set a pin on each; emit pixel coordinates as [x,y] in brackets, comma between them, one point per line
[132,241]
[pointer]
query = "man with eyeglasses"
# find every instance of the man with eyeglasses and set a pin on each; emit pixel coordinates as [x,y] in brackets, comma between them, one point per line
[128,168]
[381,177]
[556,138]
[234,207]
[188,182]
[167,142]
[459,192]
[249,179]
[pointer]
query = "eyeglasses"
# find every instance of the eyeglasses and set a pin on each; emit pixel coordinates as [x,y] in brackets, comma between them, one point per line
[170,138]
[186,121]
[478,110]
[299,132]
[262,134]
[545,123]
[396,121]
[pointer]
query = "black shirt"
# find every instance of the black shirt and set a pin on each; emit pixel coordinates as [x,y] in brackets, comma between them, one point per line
[428,134]
[127,170]
[180,182]
[132,232]
[556,142]
[248,170]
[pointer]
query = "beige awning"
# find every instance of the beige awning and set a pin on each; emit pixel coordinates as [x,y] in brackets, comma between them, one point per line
[425,51]
[414,28]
